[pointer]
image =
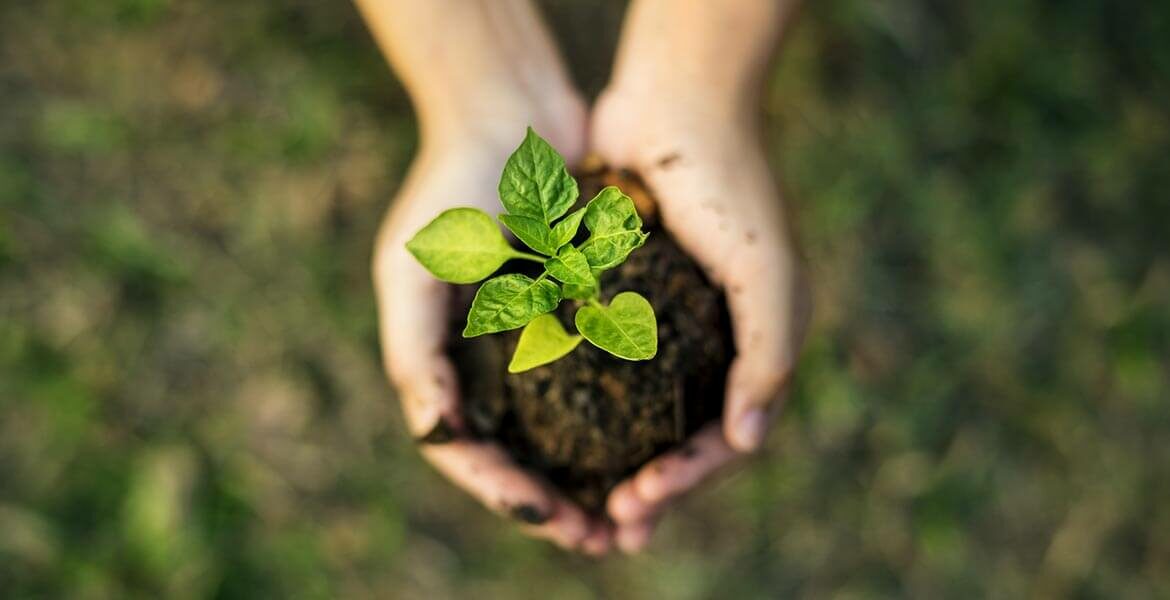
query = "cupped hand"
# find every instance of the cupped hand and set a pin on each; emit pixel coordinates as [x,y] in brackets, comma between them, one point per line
[463,169]
[716,195]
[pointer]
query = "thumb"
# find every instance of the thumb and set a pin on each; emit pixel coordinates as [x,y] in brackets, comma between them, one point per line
[769,317]
[412,323]
[755,394]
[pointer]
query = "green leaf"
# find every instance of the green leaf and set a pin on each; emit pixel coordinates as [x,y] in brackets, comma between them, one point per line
[615,229]
[533,232]
[579,292]
[542,341]
[461,245]
[626,328]
[565,229]
[611,211]
[570,266]
[535,182]
[583,291]
[510,301]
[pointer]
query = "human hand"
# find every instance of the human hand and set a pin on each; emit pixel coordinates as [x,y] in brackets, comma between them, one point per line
[702,161]
[461,170]
[479,72]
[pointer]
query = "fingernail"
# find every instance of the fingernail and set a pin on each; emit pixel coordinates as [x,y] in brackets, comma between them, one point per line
[750,429]
[527,513]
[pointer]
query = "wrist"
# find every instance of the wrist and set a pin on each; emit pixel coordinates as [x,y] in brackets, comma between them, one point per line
[494,116]
[684,97]
[649,114]
[710,57]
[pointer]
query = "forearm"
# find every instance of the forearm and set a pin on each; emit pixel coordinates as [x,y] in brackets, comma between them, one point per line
[463,62]
[699,50]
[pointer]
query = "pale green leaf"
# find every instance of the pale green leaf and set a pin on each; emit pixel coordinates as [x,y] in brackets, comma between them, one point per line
[570,266]
[533,232]
[543,340]
[565,229]
[461,245]
[626,328]
[510,301]
[535,182]
[615,229]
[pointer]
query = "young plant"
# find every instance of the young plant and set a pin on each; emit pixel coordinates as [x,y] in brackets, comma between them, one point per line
[463,245]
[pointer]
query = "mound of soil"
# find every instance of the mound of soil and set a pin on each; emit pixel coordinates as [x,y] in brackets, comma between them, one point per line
[588,420]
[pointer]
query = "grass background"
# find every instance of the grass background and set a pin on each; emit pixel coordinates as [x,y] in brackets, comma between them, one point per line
[190,398]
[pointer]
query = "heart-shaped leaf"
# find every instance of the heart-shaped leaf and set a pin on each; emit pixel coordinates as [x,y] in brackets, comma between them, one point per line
[535,182]
[615,229]
[510,301]
[543,340]
[461,245]
[626,328]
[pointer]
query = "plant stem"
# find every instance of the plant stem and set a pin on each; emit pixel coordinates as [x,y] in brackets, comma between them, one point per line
[594,303]
[528,256]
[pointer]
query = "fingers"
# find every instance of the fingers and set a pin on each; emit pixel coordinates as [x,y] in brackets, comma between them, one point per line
[634,537]
[676,472]
[725,210]
[669,476]
[412,325]
[753,399]
[413,312]
[485,472]
[413,322]
[769,311]
[624,505]
[568,527]
[599,540]
[635,504]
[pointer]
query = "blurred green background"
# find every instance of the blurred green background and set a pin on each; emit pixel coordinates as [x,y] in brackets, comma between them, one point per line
[190,396]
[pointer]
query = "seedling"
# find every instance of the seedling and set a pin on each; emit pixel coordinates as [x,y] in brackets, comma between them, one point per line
[463,245]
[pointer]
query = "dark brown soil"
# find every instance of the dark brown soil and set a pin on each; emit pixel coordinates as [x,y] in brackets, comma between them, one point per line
[589,420]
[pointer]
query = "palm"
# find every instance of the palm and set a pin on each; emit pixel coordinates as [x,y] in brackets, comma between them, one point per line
[413,322]
[718,199]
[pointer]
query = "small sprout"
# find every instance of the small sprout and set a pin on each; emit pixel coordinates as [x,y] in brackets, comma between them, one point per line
[462,245]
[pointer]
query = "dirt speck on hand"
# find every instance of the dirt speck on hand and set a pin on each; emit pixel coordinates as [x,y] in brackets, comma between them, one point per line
[441,433]
[527,513]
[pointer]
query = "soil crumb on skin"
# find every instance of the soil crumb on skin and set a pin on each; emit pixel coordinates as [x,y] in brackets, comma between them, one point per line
[527,513]
[441,433]
[588,420]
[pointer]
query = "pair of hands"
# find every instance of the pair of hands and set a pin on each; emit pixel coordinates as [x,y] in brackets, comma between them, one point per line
[717,197]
